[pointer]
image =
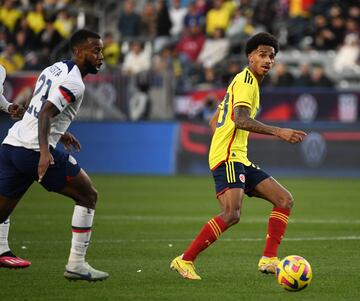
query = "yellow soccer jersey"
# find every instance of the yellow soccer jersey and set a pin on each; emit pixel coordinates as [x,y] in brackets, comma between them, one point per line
[228,142]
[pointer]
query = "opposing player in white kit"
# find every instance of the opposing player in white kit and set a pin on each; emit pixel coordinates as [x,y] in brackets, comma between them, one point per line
[11,108]
[7,258]
[28,152]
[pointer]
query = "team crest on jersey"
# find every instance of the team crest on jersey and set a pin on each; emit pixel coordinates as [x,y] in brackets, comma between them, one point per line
[242,178]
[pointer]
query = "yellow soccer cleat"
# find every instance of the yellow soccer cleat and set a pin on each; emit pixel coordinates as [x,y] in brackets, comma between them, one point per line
[268,265]
[185,268]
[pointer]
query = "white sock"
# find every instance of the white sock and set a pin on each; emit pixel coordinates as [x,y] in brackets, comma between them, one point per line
[81,231]
[4,234]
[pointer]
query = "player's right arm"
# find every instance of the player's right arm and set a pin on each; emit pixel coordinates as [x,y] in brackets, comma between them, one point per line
[48,111]
[243,121]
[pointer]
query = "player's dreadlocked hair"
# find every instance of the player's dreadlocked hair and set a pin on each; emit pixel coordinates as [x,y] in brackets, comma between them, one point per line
[262,38]
[81,36]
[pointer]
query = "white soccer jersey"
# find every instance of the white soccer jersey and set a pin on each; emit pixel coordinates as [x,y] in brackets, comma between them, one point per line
[60,84]
[4,104]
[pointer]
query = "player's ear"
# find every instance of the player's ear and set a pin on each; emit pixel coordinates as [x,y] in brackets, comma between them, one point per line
[77,51]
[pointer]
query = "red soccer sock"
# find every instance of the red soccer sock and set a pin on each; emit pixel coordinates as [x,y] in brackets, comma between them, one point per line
[208,234]
[276,228]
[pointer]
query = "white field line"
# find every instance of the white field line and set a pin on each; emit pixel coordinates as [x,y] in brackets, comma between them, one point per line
[181,219]
[180,240]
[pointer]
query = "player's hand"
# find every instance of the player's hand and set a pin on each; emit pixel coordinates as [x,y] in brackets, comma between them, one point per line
[46,159]
[16,111]
[69,142]
[290,135]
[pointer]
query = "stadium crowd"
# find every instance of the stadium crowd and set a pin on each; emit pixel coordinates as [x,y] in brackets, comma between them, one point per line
[199,41]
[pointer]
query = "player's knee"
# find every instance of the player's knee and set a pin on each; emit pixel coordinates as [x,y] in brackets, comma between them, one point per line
[286,201]
[93,196]
[232,217]
[89,198]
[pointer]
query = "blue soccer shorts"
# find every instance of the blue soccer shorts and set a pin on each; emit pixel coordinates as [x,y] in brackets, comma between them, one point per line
[18,170]
[237,175]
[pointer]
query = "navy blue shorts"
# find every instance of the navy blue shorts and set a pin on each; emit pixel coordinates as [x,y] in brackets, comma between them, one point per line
[237,175]
[18,170]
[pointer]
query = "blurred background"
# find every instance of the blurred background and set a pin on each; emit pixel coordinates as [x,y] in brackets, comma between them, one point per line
[168,64]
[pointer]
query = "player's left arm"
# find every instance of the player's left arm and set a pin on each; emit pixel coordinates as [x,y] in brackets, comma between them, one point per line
[243,121]
[48,111]
[214,119]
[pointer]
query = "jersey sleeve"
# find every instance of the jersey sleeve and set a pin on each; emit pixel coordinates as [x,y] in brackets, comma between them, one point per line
[66,93]
[2,78]
[243,94]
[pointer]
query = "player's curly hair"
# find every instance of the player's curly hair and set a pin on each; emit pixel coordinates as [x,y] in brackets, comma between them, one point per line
[262,38]
[81,36]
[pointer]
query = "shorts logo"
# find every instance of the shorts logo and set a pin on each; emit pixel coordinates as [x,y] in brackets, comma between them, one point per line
[72,160]
[242,178]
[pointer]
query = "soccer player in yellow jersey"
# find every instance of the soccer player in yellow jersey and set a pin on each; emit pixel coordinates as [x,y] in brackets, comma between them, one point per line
[233,173]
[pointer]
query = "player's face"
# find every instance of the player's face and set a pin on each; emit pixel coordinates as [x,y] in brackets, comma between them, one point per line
[93,56]
[262,59]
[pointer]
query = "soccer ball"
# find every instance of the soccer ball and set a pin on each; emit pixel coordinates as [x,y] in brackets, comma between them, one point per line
[293,273]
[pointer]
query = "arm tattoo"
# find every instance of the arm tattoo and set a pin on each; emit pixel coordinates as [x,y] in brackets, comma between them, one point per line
[243,121]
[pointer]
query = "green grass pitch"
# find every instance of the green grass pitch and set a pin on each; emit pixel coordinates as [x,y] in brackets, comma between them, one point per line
[142,223]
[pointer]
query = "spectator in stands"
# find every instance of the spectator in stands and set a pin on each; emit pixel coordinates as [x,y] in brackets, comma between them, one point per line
[32,61]
[49,37]
[240,24]
[138,59]
[304,78]
[321,33]
[167,60]
[148,20]
[129,21]
[36,18]
[219,16]
[20,42]
[347,56]
[319,78]
[3,38]
[23,25]
[11,59]
[163,25]
[194,17]
[209,79]
[177,16]
[9,15]
[111,50]
[352,26]
[215,49]
[299,15]
[354,13]
[281,76]
[64,23]
[233,67]
[190,43]
[337,27]
[266,13]
[203,6]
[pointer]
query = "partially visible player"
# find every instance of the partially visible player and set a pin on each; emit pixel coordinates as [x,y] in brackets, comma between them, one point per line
[28,152]
[233,173]
[7,258]
[13,109]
